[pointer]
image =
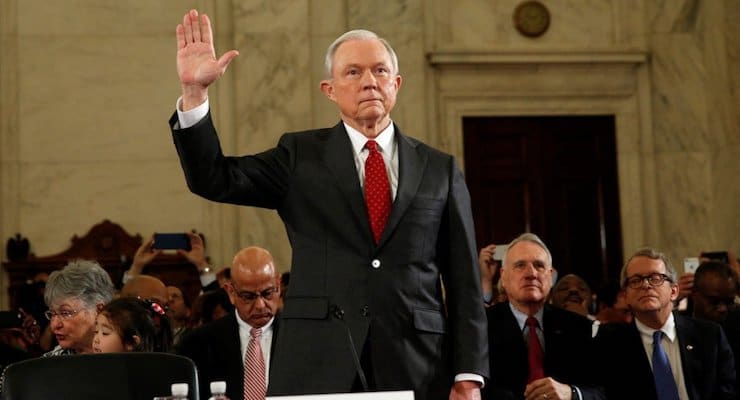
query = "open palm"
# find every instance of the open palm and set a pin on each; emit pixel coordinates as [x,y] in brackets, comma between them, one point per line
[197,65]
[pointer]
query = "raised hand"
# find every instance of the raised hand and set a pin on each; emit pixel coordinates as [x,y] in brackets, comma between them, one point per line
[197,66]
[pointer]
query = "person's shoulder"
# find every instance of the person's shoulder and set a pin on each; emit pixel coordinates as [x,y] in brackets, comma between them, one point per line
[702,325]
[498,310]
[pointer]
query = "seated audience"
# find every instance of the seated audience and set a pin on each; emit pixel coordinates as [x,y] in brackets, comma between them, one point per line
[146,253]
[489,274]
[713,298]
[210,306]
[662,355]
[612,306]
[178,313]
[74,296]
[572,293]
[129,324]
[147,287]
[219,349]
[536,351]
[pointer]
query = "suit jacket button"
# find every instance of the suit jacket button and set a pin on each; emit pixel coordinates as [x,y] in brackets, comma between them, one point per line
[365,311]
[375,263]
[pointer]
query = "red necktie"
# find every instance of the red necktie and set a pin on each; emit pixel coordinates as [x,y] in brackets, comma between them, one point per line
[536,357]
[254,368]
[377,190]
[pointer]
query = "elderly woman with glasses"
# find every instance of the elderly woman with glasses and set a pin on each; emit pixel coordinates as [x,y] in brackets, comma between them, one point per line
[74,295]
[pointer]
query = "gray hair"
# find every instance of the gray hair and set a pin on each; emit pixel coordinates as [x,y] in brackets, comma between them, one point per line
[357,34]
[82,279]
[532,238]
[652,254]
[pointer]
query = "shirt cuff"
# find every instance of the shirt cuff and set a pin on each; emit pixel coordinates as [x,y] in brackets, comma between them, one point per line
[207,278]
[186,119]
[578,392]
[469,377]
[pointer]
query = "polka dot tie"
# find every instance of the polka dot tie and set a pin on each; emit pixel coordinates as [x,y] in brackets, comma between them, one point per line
[254,368]
[377,190]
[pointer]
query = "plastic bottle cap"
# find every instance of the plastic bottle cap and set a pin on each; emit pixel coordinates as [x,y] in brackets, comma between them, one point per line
[179,389]
[218,387]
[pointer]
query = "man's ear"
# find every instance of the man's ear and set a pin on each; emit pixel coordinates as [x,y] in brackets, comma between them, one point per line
[328,89]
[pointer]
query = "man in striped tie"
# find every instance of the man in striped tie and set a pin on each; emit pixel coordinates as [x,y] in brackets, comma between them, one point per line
[236,349]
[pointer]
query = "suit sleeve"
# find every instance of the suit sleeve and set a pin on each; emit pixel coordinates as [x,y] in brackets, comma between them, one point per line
[457,247]
[256,180]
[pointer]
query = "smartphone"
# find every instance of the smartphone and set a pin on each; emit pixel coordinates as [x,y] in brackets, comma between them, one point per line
[10,319]
[690,264]
[498,254]
[171,241]
[720,256]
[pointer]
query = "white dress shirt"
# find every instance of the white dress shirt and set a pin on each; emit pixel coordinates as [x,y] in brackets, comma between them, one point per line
[265,342]
[670,346]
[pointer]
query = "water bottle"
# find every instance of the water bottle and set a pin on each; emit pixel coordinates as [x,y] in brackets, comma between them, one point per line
[218,391]
[179,392]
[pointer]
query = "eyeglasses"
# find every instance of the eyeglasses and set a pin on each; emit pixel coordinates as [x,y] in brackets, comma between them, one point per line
[64,314]
[654,280]
[249,297]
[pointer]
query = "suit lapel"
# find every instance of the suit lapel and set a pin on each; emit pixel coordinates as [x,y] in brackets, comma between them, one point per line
[410,170]
[687,342]
[339,158]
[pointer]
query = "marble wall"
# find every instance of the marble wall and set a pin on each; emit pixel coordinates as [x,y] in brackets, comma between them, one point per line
[85,94]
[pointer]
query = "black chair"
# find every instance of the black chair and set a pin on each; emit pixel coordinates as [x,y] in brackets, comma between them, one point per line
[112,376]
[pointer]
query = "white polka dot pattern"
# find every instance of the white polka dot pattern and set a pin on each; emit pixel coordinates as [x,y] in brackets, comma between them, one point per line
[377,190]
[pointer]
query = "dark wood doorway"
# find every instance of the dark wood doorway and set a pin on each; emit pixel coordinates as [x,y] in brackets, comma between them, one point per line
[553,176]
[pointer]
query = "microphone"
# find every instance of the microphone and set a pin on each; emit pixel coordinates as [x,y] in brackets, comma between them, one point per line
[338,313]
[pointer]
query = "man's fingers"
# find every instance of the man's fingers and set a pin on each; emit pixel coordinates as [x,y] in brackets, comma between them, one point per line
[187,28]
[206,33]
[180,35]
[197,26]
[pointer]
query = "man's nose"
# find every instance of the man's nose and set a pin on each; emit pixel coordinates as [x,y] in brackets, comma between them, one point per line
[368,80]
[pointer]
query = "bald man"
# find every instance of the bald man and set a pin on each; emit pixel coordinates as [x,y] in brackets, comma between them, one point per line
[146,287]
[219,348]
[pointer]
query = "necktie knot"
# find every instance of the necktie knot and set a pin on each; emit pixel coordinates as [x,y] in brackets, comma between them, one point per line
[255,333]
[657,337]
[371,145]
[532,323]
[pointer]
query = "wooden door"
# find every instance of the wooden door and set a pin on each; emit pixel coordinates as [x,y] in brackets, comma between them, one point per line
[553,176]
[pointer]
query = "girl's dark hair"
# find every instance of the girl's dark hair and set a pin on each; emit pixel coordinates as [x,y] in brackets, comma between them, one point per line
[131,317]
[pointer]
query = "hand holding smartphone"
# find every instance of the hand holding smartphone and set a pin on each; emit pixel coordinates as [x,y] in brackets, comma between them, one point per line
[171,241]
[690,264]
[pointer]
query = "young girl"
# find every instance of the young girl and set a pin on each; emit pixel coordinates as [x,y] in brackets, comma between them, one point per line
[131,324]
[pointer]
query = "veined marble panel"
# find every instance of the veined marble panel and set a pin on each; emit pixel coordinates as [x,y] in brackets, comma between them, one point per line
[673,15]
[680,105]
[684,184]
[273,82]
[59,199]
[103,98]
[724,217]
[732,38]
[255,17]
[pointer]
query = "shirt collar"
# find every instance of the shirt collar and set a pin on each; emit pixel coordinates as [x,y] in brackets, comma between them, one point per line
[521,318]
[384,139]
[242,324]
[669,328]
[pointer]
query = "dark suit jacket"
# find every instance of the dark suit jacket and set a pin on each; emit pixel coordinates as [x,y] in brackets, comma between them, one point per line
[568,352]
[215,348]
[390,293]
[706,360]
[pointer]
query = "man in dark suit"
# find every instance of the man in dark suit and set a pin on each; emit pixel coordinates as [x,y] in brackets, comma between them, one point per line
[220,349]
[563,338]
[660,354]
[363,293]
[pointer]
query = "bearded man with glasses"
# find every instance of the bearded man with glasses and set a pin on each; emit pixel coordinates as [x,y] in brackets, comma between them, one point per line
[662,355]
[236,349]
